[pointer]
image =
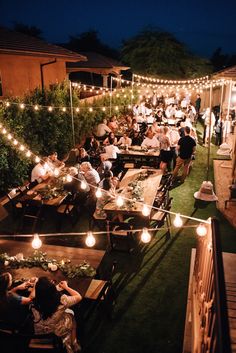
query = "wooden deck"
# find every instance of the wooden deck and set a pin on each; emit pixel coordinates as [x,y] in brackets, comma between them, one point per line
[229,263]
[76,256]
[223,179]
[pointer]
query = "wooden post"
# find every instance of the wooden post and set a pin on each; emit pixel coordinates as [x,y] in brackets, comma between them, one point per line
[209,136]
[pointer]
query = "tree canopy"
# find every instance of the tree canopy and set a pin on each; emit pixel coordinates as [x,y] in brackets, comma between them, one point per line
[32,31]
[90,41]
[159,53]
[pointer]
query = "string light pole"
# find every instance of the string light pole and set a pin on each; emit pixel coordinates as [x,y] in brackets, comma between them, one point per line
[111,94]
[209,135]
[72,113]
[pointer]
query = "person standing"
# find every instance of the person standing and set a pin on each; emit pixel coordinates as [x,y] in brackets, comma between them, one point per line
[198,105]
[186,148]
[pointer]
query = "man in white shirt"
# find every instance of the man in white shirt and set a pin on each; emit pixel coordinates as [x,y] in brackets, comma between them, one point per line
[91,175]
[41,171]
[111,151]
[150,141]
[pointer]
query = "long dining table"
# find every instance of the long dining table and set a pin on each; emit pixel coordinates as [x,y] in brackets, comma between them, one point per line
[60,253]
[139,156]
[138,186]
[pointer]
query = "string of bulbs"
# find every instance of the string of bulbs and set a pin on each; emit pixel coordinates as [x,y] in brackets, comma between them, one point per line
[120,200]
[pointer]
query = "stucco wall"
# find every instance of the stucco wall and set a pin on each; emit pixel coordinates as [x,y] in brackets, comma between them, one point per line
[21,74]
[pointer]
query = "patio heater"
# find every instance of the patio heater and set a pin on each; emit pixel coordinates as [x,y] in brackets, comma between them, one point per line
[206,192]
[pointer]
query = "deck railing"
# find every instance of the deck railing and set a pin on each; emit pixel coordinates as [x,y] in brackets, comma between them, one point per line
[210,328]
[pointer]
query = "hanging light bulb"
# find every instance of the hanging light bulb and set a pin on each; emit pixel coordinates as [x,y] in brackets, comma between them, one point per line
[56,172]
[83,185]
[178,221]
[103,109]
[50,109]
[4,131]
[90,109]
[9,136]
[15,142]
[98,193]
[37,242]
[22,106]
[68,178]
[64,109]
[90,241]
[119,201]
[146,210]
[201,230]
[145,236]
[7,104]
[28,154]
[37,159]
[77,110]
[22,148]
[36,107]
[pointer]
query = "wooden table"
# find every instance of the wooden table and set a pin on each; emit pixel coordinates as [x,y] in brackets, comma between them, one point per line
[139,156]
[76,255]
[149,185]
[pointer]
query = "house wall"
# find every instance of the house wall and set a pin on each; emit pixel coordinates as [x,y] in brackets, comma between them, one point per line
[21,74]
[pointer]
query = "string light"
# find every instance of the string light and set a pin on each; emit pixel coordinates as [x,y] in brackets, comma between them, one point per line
[119,201]
[36,107]
[83,185]
[145,236]
[37,159]
[22,148]
[90,241]
[28,154]
[37,242]
[15,142]
[68,178]
[22,106]
[56,172]
[146,210]
[178,222]
[201,230]
[98,193]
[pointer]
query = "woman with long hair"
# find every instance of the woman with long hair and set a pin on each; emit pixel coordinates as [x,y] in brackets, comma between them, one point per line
[52,314]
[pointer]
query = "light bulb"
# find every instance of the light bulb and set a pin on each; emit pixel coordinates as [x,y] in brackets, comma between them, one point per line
[98,193]
[201,230]
[145,236]
[22,148]
[64,109]
[9,136]
[68,178]
[119,201]
[90,109]
[178,221]
[56,172]
[90,241]
[7,104]
[77,110]
[36,107]
[15,142]
[36,243]
[146,210]
[28,154]
[4,131]
[83,185]
[37,159]
[22,106]
[50,109]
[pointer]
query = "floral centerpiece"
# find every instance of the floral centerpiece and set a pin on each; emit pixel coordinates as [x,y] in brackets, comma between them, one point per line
[40,259]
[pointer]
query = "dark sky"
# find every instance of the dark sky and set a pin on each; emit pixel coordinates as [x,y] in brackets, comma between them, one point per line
[203,25]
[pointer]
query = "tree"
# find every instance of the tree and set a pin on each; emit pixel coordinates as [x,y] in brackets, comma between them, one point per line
[32,31]
[90,41]
[159,53]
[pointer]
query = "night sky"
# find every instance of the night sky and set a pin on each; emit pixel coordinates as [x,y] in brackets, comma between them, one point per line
[203,25]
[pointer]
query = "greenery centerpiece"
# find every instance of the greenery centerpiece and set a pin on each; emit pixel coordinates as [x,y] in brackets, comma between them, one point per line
[40,259]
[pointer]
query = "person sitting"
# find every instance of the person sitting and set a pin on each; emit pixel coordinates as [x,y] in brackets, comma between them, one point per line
[125,140]
[107,195]
[113,124]
[13,307]
[52,314]
[74,187]
[54,162]
[90,174]
[109,138]
[150,141]
[136,139]
[41,171]
[102,129]
[83,156]
[111,150]
[104,166]
[71,157]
